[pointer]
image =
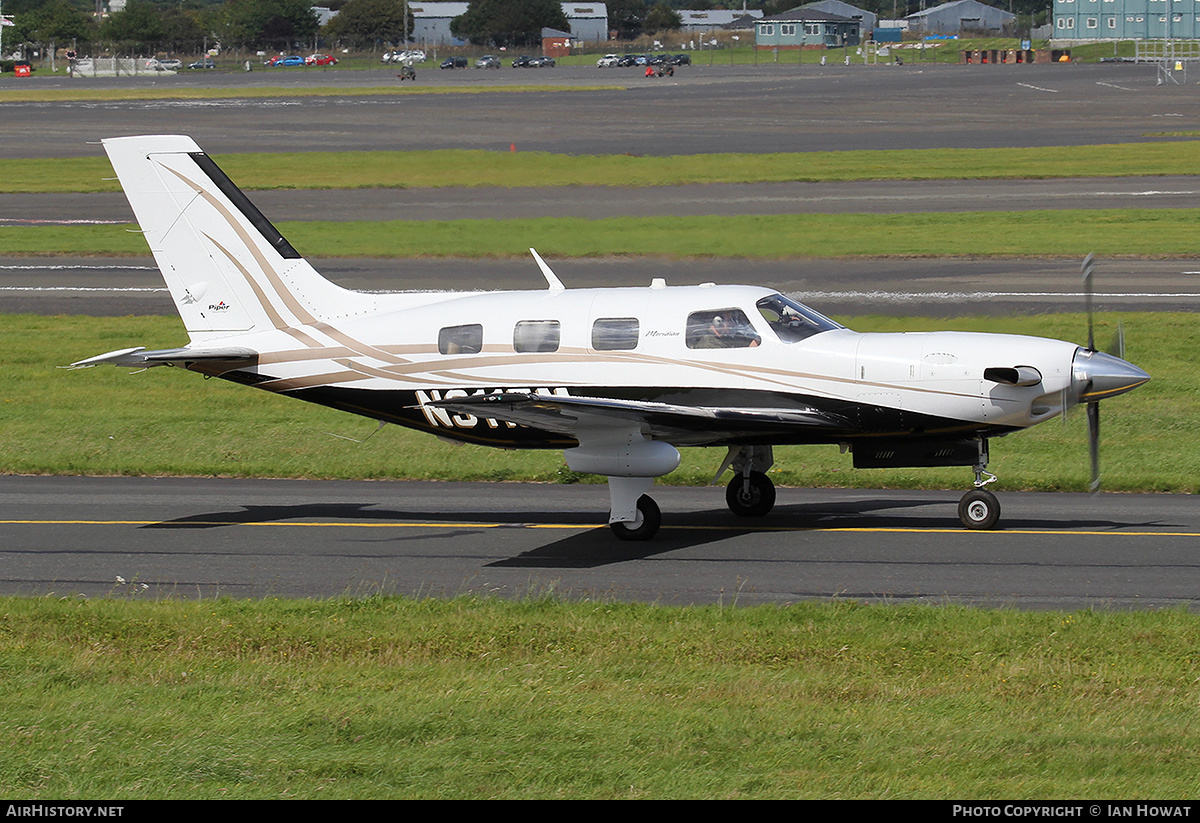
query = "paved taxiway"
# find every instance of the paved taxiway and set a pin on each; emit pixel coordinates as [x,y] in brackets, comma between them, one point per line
[205,538]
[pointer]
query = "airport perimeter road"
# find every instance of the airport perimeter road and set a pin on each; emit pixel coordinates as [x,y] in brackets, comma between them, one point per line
[764,108]
[206,538]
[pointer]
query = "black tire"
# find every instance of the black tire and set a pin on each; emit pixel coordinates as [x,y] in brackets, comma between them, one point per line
[979,509]
[647,525]
[753,501]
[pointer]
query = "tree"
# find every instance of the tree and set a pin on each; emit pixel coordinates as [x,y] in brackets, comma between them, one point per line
[363,22]
[58,22]
[145,27]
[626,17]
[508,22]
[662,17]
[274,24]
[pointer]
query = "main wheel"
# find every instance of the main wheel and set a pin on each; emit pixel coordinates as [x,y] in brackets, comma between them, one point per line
[979,509]
[645,527]
[750,497]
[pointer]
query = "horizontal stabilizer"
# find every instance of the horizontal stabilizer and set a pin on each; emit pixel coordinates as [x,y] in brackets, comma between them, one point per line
[231,356]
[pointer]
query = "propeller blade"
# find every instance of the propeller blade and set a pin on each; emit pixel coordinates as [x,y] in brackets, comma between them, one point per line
[1093,415]
[1088,268]
[1117,348]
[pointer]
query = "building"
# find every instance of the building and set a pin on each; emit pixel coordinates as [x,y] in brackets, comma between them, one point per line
[961,16]
[1126,20]
[704,20]
[589,21]
[431,22]
[806,28]
[867,20]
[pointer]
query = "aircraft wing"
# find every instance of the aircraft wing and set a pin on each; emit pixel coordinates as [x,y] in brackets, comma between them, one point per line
[218,359]
[677,423]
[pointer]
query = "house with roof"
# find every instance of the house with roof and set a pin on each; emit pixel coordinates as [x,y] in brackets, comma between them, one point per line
[805,27]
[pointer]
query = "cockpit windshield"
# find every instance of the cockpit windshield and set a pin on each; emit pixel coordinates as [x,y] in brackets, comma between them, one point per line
[792,321]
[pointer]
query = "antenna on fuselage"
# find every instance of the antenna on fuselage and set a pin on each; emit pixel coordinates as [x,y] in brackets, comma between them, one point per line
[551,278]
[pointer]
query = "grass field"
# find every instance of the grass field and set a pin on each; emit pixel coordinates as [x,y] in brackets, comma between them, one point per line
[1106,232]
[394,698]
[469,168]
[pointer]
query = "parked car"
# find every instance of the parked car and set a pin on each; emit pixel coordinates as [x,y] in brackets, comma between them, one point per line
[290,60]
[524,61]
[682,60]
[627,60]
[203,63]
[488,61]
[454,63]
[320,60]
[408,56]
[542,63]
[170,64]
[608,61]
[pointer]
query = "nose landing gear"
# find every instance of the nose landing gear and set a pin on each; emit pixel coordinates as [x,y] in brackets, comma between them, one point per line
[979,508]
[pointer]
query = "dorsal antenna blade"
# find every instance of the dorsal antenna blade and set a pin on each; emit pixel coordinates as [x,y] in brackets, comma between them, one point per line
[551,278]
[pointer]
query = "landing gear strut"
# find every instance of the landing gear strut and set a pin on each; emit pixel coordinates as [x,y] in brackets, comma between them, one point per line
[979,508]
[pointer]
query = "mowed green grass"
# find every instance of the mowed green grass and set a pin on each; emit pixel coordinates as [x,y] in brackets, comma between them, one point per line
[546,698]
[167,421]
[1106,232]
[469,168]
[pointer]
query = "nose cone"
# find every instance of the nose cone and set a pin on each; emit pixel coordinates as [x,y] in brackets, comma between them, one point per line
[1096,375]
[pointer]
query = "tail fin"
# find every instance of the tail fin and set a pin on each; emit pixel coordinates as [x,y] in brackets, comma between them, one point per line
[227,268]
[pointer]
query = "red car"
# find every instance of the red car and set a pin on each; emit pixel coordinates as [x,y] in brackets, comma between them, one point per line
[320,60]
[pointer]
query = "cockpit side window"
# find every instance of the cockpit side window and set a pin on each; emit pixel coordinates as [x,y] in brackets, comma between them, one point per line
[792,321]
[720,329]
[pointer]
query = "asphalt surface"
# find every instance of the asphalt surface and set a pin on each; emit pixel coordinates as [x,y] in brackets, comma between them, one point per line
[703,108]
[200,538]
[141,537]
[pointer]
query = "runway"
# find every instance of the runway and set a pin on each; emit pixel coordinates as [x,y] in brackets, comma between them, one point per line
[204,538]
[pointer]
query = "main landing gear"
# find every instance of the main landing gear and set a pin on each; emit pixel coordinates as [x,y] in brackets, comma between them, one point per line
[750,493]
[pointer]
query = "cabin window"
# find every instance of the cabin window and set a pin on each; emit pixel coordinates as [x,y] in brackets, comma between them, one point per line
[536,335]
[720,329]
[615,334]
[461,339]
[792,321]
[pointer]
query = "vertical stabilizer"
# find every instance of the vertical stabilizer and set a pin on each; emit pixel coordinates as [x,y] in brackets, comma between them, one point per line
[228,269]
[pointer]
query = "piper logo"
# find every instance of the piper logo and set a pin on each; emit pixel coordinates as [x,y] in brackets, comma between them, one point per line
[222,306]
[443,418]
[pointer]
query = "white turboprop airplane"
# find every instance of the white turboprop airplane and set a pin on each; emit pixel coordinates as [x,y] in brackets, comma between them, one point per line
[618,378]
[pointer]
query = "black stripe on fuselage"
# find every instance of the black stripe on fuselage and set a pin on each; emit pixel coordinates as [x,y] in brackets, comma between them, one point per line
[409,408]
